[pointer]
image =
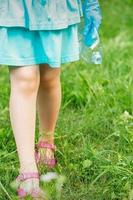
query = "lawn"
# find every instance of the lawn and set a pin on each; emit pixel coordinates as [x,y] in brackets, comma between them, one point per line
[94,132]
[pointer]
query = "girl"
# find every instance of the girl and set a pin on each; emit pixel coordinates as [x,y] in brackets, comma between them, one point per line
[36,37]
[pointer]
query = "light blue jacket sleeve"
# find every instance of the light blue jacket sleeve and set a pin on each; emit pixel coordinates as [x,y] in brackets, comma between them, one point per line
[92,21]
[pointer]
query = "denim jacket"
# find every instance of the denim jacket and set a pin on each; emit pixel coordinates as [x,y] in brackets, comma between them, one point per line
[40,14]
[54,14]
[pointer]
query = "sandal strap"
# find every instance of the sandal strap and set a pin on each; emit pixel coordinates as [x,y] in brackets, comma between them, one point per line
[50,162]
[42,144]
[27,175]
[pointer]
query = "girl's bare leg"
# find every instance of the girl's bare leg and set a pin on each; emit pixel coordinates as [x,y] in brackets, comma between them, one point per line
[22,107]
[48,103]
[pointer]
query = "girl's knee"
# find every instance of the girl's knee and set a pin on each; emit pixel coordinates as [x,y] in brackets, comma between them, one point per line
[49,78]
[25,81]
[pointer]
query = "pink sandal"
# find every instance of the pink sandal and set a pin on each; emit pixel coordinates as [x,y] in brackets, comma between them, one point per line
[50,163]
[35,193]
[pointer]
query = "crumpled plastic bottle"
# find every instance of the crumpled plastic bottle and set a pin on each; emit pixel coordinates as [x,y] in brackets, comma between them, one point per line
[90,45]
[91,54]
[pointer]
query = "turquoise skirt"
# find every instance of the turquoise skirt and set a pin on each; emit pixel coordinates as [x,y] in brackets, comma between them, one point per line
[22,47]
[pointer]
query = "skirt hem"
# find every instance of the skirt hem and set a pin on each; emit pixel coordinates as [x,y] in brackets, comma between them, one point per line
[31,61]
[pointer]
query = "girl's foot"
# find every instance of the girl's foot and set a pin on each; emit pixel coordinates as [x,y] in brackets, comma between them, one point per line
[27,184]
[45,153]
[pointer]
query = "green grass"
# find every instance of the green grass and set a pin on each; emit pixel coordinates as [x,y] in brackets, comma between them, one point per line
[94,132]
